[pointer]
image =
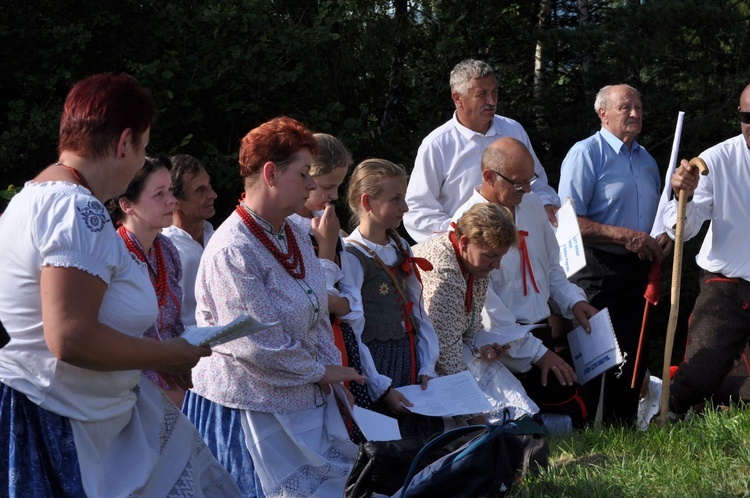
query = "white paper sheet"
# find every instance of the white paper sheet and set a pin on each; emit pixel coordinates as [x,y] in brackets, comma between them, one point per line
[213,336]
[457,394]
[658,228]
[375,426]
[568,234]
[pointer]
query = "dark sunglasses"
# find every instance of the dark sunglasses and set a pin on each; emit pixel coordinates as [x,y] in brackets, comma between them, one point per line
[744,116]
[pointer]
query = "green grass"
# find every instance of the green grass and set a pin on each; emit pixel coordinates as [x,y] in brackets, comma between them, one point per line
[708,456]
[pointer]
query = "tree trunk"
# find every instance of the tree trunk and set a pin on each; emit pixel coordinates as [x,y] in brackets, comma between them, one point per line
[545,7]
[544,19]
[584,18]
[393,98]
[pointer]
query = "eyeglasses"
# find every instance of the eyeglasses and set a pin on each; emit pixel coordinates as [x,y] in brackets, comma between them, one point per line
[523,183]
[744,116]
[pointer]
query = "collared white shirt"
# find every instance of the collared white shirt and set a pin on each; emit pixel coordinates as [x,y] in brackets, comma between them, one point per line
[448,166]
[721,197]
[506,308]
[190,257]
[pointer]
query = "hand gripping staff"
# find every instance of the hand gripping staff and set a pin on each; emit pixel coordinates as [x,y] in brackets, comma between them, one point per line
[696,162]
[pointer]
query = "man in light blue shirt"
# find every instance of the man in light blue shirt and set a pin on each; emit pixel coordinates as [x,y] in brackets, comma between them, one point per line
[615,186]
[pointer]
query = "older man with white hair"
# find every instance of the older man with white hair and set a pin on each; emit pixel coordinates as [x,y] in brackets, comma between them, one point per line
[447,170]
[615,185]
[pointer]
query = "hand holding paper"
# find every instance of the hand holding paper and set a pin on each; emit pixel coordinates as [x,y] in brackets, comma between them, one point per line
[213,336]
[375,426]
[595,352]
[457,394]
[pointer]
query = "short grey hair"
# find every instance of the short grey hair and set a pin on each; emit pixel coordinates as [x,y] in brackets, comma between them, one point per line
[494,158]
[467,70]
[602,100]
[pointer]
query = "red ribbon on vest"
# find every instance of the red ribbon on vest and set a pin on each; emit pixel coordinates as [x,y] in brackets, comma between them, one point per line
[410,335]
[525,262]
[412,262]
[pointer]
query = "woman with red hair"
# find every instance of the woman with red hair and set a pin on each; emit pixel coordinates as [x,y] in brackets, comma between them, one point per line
[266,399]
[75,418]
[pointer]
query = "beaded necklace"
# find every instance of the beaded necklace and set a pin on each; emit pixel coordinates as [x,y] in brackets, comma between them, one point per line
[159,280]
[77,174]
[469,277]
[291,260]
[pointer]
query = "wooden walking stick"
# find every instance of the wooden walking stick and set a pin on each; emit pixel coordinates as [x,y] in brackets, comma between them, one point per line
[696,162]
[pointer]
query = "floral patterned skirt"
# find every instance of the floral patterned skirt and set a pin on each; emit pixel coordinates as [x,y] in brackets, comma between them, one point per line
[40,458]
[393,358]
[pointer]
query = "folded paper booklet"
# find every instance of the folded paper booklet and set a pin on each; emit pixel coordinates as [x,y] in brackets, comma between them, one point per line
[213,336]
[596,352]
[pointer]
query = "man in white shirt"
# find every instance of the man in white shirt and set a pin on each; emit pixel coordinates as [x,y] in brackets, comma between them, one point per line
[191,231]
[529,275]
[447,165]
[720,323]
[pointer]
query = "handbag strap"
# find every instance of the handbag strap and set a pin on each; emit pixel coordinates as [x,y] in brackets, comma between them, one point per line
[525,426]
[407,318]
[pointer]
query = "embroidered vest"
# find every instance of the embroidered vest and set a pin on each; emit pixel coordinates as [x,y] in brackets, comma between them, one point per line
[383,307]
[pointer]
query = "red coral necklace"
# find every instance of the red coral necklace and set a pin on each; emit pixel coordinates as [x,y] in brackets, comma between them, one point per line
[159,280]
[77,174]
[291,260]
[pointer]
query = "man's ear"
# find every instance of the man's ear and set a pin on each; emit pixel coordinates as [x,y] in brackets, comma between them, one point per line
[457,99]
[601,112]
[488,176]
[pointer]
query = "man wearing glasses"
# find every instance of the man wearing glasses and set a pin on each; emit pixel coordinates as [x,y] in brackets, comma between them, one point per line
[720,322]
[529,276]
[615,186]
[447,165]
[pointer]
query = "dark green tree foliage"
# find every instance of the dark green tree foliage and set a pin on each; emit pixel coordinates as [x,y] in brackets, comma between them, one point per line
[372,72]
[682,55]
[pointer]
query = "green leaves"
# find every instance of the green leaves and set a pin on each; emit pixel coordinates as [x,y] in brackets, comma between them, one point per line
[373,72]
[8,193]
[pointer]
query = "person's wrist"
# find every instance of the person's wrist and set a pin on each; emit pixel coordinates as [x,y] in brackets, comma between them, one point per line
[382,396]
